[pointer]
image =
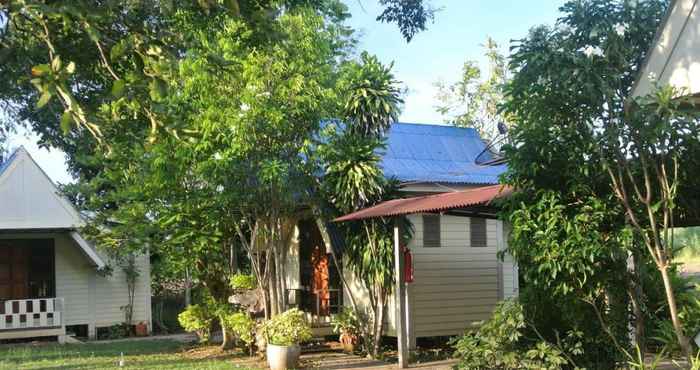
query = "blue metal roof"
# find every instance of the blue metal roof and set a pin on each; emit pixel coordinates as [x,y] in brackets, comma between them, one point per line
[437,153]
[6,163]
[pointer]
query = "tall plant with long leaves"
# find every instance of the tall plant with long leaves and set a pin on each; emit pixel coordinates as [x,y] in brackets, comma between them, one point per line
[353,179]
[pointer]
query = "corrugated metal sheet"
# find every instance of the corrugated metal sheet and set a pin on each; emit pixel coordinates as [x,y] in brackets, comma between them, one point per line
[432,203]
[437,153]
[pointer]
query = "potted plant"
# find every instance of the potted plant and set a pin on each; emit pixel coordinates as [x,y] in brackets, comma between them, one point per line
[283,334]
[347,325]
[141,329]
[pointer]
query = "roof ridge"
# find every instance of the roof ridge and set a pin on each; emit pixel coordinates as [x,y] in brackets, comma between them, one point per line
[6,163]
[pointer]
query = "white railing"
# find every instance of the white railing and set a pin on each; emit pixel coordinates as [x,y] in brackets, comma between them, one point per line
[36,313]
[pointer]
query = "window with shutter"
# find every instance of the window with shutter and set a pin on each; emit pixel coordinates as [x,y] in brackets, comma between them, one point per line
[431,231]
[477,229]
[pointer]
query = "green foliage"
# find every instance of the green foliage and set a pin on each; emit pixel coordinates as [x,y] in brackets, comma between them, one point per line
[288,328]
[687,243]
[346,322]
[243,282]
[198,319]
[662,332]
[566,243]
[473,101]
[241,325]
[585,161]
[373,101]
[352,176]
[500,343]
[412,16]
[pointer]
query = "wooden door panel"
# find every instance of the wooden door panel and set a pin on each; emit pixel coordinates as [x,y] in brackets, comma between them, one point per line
[14,273]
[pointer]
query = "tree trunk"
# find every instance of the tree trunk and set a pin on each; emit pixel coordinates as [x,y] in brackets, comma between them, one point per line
[188,288]
[673,308]
[233,257]
[378,325]
[227,336]
[635,293]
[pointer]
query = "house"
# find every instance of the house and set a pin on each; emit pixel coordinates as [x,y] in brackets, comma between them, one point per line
[51,278]
[674,56]
[457,275]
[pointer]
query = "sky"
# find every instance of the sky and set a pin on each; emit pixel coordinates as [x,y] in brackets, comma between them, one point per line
[437,54]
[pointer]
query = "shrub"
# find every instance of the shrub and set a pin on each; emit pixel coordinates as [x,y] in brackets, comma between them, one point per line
[197,319]
[347,325]
[116,331]
[243,282]
[499,344]
[241,325]
[286,329]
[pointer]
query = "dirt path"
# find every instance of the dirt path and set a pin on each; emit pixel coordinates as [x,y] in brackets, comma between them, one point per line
[342,361]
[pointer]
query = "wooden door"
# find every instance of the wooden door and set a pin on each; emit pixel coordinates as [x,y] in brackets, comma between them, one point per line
[319,261]
[13,272]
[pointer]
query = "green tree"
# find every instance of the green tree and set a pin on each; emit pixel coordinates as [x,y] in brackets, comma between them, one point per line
[82,64]
[474,100]
[575,137]
[234,178]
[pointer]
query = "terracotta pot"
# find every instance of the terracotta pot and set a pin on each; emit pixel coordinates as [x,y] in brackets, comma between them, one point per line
[348,341]
[283,357]
[141,329]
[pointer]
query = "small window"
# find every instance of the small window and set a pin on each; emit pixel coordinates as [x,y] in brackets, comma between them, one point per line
[431,231]
[477,229]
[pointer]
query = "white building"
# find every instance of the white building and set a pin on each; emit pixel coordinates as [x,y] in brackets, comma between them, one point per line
[457,276]
[50,277]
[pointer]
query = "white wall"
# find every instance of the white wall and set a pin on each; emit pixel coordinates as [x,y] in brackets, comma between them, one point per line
[111,294]
[73,272]
[674,58]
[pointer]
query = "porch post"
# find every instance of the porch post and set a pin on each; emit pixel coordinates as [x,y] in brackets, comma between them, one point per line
[400,301]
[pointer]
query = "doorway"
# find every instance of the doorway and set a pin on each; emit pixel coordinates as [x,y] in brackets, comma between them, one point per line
[27,269]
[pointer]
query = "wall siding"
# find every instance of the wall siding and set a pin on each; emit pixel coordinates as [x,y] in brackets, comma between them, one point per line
[72,272]
[111,295]
[457,285]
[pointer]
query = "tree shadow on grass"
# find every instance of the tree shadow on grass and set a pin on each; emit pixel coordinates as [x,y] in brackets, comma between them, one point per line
[137,354]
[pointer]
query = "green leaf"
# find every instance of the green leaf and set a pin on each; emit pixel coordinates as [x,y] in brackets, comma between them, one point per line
[45,97]
[117,50]
[118,88]
[158,89]
[41,69]
[66,122]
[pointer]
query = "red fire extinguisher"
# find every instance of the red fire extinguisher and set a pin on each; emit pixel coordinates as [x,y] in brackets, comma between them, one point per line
[407,265]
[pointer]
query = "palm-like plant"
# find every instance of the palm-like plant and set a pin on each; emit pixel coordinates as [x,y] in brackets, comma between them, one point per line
[353,179]
[373,102]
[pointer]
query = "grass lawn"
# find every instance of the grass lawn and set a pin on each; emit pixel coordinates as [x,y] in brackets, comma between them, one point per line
[150,354]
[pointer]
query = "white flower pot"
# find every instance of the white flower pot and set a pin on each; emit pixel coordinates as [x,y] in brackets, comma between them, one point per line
[283,357]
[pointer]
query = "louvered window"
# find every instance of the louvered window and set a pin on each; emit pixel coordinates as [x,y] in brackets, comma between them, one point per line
[477,229]
[431,231]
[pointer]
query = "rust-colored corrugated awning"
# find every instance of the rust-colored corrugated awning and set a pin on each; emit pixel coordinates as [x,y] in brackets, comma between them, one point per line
[432,203]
